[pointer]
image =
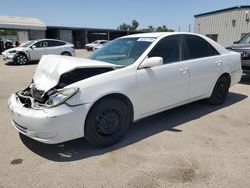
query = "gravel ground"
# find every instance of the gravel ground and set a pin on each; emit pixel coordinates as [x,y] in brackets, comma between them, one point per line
[195,145]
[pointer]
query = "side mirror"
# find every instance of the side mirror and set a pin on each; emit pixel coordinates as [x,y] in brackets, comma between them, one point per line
[151,62]
[236,42]
[33,46]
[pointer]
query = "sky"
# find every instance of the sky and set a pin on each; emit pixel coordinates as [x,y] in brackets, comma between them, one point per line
[111,13]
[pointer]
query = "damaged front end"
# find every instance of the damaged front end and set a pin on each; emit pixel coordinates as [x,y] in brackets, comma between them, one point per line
[36,99]
[52,76]
[31,97]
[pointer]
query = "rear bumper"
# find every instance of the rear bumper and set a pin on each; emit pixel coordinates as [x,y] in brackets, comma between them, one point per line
[51,126]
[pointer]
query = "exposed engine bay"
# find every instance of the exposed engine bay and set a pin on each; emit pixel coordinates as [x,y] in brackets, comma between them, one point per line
[31,97]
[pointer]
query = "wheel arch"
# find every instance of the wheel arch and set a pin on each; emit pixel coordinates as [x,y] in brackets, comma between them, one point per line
[227,75]
[23,53]
[118,96]
[66,51]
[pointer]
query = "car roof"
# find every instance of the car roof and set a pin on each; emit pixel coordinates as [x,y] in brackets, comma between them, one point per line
[157,34]
[37,40]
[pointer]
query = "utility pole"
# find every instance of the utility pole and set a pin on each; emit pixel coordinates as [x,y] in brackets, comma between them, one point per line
[189,28]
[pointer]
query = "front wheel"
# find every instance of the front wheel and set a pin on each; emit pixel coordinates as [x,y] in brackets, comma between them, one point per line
[220,90]
[107,122]
[21,59]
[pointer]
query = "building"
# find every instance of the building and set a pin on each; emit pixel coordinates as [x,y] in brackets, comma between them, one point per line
[26,28]
[79,36]
[224,26]
[33,28]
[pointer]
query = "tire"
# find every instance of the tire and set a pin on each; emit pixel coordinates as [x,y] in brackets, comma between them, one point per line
[220,91]
[66,54]
[107,122]
[21,59]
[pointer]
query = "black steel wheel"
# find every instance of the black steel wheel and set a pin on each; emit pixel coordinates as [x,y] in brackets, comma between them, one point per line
[220,90]
[107,122]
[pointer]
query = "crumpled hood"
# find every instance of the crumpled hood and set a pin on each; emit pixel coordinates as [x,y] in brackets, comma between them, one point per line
[51,67]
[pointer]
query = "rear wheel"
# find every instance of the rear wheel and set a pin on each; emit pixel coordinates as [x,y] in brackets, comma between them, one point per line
[107,122]
[220,90]
[21,59]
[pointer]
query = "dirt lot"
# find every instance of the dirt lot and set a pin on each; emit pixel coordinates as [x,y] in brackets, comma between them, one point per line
[196,145]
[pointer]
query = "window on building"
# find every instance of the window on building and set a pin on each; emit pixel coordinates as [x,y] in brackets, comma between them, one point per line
[233,22]
[213,37]
[243,35]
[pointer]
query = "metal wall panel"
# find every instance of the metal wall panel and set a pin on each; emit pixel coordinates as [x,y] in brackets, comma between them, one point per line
[221,23]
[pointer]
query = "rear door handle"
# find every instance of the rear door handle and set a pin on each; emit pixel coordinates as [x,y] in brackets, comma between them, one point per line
[218,62]
[183,70]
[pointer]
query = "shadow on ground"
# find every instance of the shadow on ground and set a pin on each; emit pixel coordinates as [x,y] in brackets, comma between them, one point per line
[166,121]
[30,63]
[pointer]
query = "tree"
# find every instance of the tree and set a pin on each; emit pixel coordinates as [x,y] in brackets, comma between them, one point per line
[123,26]
[131,27]
[134,25]
[7,32]
[163,28]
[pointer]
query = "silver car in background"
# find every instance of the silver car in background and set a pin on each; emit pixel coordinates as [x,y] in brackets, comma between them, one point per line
[34,50]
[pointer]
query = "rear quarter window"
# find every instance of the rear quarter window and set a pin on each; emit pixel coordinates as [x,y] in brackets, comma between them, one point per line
[197,47]
[52,43]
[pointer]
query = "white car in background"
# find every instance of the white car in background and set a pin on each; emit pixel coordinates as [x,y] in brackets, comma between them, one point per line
[34,50]
[128,79]
[94,44]
[99,46]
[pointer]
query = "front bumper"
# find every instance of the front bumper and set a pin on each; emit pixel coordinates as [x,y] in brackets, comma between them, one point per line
[9,58]
[51,126]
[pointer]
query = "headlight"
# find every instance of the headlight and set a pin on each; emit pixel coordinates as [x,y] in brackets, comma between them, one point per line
[12,52]
[60,96]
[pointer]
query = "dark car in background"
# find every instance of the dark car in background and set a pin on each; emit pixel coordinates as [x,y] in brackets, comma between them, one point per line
[243,47]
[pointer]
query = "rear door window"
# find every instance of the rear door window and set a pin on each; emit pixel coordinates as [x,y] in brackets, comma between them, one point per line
[52,43]
[197,47]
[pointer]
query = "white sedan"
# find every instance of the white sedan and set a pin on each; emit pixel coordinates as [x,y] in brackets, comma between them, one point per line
[94,44]
[99,46]
[34,50]
[128,79]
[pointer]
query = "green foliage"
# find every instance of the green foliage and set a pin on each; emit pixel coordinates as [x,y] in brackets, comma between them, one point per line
[162,28]
[129,27]
[134,25]
[7,32]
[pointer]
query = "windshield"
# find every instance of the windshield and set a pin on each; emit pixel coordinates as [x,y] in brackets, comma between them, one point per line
[123,51]
[245,39]
[26,44]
